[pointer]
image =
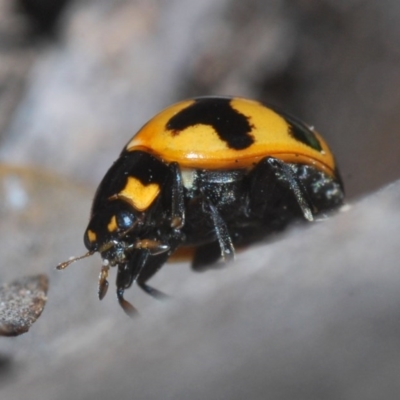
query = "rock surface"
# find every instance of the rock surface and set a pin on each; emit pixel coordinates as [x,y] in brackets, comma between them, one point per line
[21,304]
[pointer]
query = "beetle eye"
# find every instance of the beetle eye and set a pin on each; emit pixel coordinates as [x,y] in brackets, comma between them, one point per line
[125,220]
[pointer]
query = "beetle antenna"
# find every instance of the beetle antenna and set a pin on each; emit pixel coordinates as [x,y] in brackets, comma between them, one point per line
[65,264]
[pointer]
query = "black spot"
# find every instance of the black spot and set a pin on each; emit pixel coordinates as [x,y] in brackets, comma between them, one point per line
[231,126]
[300,131]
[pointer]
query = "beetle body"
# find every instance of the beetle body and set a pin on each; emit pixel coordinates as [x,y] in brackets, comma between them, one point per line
[211,173]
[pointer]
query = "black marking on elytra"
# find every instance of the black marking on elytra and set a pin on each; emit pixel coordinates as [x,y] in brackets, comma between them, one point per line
[299,130]
[231,126]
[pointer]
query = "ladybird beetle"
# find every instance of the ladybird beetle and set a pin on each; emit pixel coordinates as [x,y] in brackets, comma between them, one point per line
[211,173]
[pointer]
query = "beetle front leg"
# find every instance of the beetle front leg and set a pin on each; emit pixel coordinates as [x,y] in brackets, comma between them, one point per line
[151,263]
[125,276]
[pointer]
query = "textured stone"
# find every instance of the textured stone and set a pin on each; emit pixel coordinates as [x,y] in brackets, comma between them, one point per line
[21,304]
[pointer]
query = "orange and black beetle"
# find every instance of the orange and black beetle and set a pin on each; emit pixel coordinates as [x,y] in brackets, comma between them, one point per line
[210,173]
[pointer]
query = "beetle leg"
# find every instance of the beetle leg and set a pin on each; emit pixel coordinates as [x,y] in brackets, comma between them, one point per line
[124,281]
[148,265]
[151,263]
[103,282]
[141,266]
[126,306]
[153,292]
[139,271]
[295,186]
[154,247]
[178,203]
[223,236]
[270,170]
[144,260]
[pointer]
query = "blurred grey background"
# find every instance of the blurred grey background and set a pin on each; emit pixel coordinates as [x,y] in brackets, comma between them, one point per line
[312,316]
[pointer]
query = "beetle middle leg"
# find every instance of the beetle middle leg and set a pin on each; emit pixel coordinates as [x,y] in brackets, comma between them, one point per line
[150,267]
[143,260]
[124,281]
